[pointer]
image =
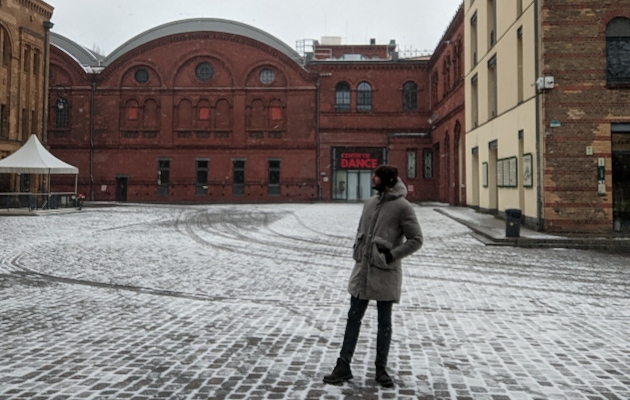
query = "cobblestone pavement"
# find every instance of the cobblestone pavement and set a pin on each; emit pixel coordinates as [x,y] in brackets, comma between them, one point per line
[249,302]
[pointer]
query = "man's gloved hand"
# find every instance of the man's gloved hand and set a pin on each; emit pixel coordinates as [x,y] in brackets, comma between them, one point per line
[385,251]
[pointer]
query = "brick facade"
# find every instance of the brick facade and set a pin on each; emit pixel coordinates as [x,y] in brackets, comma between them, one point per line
[578,113]
[22,71]
[122,133]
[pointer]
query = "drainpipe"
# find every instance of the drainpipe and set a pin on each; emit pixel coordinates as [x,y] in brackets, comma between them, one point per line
[92,138]
[317,137]
[539,188]
[317,129]
[47,27]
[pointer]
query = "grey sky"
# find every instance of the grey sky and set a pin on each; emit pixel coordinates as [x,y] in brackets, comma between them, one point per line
[414,24]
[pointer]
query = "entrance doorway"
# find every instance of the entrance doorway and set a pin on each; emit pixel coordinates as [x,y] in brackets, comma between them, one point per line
[352,185]
[121,188]
[621,176]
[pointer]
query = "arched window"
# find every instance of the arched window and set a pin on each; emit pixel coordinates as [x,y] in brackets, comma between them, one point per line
[410,96]
[364,97]
[446,71]
[184,115]
[618,51]
[6,47]
[342,96]
[275,116]
[62,111]
[434,87]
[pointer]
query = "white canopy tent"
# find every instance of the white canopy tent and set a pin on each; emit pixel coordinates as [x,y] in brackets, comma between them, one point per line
[33,158]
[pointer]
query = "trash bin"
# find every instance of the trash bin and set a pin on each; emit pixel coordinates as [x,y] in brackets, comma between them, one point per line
[512,222]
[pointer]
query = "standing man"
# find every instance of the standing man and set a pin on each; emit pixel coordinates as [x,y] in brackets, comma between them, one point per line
[387,220]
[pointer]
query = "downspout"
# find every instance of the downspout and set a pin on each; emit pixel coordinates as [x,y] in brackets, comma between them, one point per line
[92,101]
[317,136]
[47,27]
[539,194]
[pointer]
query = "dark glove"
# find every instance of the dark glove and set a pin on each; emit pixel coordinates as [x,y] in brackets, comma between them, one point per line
[385,251]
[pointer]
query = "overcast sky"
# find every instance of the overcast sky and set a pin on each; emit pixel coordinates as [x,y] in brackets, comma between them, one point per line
[414,24]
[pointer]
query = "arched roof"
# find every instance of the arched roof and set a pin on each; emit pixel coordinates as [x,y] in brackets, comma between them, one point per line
[88,58]
[85,57]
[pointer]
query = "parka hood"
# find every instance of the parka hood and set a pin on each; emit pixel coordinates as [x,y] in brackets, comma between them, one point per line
[399,190]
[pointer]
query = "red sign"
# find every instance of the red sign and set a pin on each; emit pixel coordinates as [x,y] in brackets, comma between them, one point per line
[358,161]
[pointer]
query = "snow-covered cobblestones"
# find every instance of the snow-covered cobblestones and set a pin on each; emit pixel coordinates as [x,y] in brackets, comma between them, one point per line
[249,301]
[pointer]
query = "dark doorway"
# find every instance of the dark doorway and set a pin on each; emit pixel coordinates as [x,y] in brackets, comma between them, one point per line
[121,188]
[621,176]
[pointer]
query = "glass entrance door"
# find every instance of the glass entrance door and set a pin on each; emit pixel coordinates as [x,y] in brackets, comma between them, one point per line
[352,185]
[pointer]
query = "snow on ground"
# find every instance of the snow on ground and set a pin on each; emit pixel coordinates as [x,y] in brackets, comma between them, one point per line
[249,301]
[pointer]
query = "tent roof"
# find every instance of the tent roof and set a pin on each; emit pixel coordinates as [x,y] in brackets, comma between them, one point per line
[33,158]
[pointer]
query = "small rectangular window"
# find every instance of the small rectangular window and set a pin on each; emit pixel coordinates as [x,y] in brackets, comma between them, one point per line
[238,177]
[164,175]
[428,164]
[27,59]
[202,178]
[204,113]
[411,163]
[36,61]
[33,122]
[274,178]
[132,113]
[4,121]
[275,113]
[25,125]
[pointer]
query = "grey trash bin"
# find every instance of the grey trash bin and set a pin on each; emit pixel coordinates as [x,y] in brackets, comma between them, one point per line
[513,222]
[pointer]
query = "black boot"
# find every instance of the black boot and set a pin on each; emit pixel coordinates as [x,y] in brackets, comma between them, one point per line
[383,377]
[340,374]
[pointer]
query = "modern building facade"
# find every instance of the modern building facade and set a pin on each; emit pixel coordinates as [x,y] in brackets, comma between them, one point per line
[210,110]
[546,111]
[24,33]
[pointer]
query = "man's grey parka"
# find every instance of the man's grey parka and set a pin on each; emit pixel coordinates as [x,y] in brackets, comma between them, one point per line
[389,220]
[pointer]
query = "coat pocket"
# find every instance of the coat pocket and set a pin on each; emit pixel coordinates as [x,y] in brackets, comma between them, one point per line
[377,258]
[358,245]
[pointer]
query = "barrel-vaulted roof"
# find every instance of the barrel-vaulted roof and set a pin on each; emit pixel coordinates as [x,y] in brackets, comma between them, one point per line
[89,58]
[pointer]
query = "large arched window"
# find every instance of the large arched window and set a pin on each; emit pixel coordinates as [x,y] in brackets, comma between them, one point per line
[410,96]
[342,96]
[364,97]
[618,51]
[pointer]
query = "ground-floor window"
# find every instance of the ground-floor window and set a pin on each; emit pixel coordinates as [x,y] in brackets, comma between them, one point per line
[274,178]
[164,171]
[428,164]
[238,177]
[201,186]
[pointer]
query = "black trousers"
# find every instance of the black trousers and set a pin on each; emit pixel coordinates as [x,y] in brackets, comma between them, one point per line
[353,327]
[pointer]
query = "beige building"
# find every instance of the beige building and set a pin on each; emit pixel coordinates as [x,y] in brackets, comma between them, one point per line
[547,121]
[501,138]
[24,30]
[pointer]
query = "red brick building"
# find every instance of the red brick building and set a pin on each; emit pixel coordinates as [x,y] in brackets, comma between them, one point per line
[448,117]
[217,111]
